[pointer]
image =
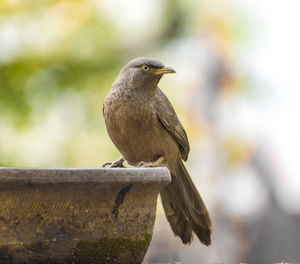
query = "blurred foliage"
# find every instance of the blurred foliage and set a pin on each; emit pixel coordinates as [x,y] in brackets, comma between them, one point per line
[58,60]
[65,47]
[84,58]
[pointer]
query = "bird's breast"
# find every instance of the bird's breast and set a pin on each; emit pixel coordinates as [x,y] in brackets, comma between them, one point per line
[134,128]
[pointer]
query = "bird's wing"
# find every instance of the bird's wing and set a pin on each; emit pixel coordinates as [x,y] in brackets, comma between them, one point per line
[167,116]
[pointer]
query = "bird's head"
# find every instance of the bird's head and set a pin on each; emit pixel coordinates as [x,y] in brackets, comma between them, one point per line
[143,73]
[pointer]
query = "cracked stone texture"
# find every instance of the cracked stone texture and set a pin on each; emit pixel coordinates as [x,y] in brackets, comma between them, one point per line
[78,215]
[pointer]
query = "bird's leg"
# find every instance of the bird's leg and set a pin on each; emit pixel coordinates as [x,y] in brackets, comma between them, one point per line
[156,163]
[116,164]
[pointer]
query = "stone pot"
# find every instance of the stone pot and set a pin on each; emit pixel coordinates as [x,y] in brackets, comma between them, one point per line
[78,215]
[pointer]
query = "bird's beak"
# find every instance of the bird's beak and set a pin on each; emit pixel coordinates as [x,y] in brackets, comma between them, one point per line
[164,70]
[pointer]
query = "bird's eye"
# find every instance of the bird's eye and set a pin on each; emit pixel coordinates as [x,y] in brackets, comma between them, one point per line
[145,68]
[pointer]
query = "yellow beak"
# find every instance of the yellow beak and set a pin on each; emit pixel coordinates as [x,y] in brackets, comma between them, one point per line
[164,70]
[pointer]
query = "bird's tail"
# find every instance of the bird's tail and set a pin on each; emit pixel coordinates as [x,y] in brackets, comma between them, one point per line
[184,207]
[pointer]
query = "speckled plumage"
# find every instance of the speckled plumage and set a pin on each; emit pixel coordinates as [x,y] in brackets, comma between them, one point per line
[143,126]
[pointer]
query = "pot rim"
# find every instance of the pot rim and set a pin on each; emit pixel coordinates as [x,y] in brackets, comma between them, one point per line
[9,175]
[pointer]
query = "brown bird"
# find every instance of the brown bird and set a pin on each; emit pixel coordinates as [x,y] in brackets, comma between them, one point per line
[143,125]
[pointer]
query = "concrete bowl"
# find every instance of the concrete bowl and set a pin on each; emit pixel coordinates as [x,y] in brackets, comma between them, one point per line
[78,215]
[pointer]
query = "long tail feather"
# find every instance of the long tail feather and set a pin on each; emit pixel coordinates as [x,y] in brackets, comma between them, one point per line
[184,207]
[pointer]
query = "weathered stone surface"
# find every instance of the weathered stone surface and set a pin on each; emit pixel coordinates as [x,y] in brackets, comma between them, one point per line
[78,215]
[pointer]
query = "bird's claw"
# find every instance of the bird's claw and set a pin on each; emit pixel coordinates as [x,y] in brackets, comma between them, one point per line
[156,163]
[106,164]
[116,164]
[143,164]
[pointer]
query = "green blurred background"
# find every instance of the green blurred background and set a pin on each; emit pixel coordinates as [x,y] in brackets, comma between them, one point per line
[58,60]
[61,61]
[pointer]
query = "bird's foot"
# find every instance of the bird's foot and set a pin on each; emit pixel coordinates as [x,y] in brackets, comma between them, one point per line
[155,163]
[116,164]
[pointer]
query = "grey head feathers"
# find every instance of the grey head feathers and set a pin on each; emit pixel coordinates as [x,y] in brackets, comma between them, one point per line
[140,61]
[140,74]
